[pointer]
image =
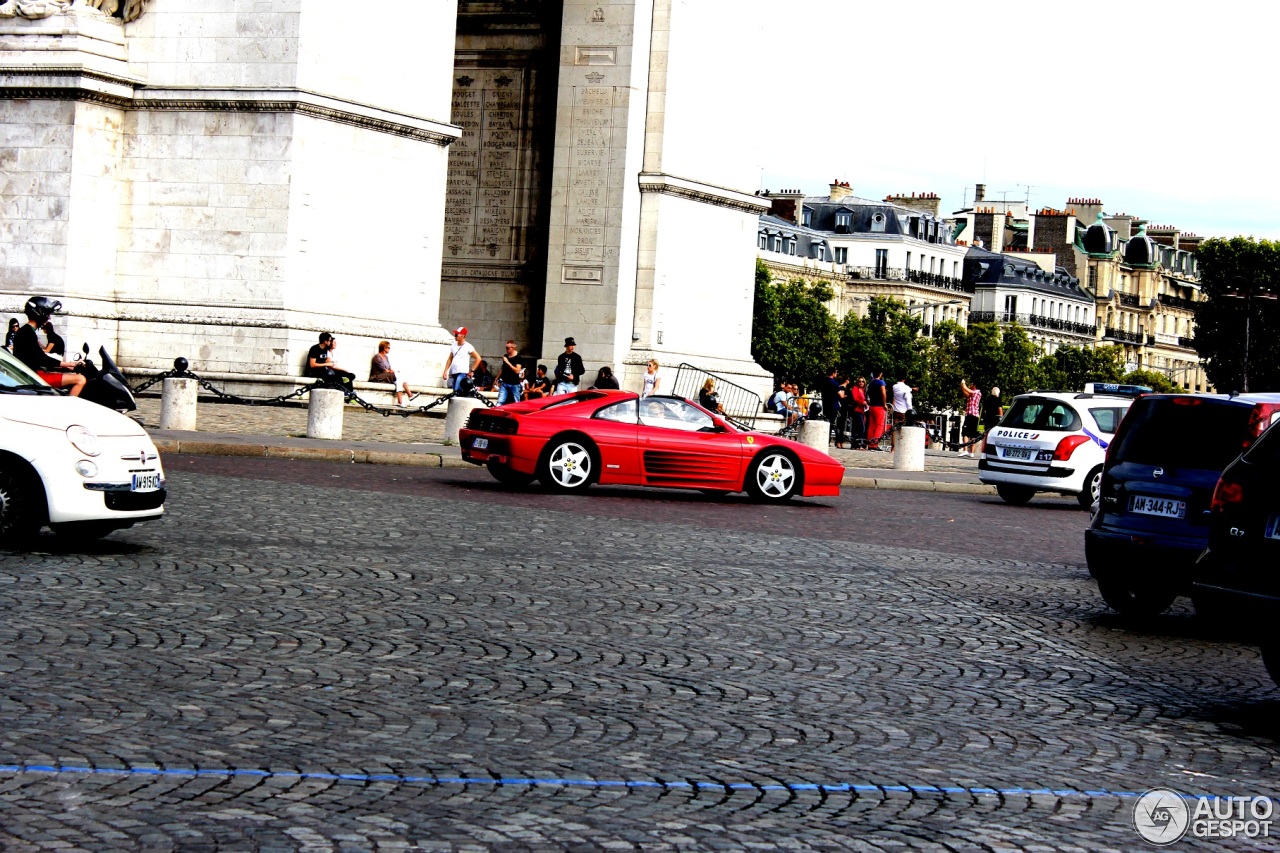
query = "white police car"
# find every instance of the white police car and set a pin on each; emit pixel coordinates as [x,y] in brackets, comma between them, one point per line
[81,468]
[1054,442]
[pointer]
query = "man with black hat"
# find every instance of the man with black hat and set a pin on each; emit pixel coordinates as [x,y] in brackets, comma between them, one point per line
[569,368]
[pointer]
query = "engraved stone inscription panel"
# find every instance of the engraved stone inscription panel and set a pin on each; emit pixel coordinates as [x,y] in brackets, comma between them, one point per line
[591,141]
[483,209]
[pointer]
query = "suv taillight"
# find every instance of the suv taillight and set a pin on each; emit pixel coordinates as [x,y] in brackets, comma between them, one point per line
[1227,494]
[1260,418]
[1067,446]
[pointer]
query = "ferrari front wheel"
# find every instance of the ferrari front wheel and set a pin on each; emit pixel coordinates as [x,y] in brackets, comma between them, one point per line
[568,464]
[774,476]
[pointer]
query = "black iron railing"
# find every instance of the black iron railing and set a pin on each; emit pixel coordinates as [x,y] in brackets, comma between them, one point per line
[1176,301]
[740,404]
[942,282]
[1122,336]
[1130,299]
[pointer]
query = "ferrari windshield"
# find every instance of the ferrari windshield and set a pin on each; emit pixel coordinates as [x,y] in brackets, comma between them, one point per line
[16,376]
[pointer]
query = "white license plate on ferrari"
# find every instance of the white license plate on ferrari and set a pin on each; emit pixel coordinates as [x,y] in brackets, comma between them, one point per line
[480,444]
[145,481]
[1017,453]
[1163,507]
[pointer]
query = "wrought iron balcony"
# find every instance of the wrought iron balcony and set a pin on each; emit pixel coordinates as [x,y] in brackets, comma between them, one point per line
[1034,321]
[941,282]
[1130,299]
[1123,336]
[1176,302]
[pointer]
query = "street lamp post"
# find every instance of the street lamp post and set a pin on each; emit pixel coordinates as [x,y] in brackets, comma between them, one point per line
[1247,291]
[922,306]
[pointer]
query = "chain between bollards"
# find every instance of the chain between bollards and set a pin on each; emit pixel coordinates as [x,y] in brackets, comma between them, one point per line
[181,371]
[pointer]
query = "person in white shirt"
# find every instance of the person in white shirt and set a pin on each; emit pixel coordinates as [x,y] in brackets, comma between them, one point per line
[651,379]
[462,361]
[901,405]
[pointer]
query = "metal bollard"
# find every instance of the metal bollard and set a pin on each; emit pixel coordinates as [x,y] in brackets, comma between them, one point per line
[815,434]
[178,404]
[908,449]
[459,410]
[324,413]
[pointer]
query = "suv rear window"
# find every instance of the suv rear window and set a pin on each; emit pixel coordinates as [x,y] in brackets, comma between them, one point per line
[1182,432]
[1041,413]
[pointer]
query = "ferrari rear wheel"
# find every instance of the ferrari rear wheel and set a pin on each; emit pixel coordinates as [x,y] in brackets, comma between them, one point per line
[774,476]
[568,464]
[507,476]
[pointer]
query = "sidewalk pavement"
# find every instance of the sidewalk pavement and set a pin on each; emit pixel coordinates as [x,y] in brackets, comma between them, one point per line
[227,429]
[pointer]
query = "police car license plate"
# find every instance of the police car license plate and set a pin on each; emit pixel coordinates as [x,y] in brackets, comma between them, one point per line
[146,481]
[1017,453]
[480,444]
[1157,506]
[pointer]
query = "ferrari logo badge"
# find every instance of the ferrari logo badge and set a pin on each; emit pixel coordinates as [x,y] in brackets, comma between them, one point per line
[751,439]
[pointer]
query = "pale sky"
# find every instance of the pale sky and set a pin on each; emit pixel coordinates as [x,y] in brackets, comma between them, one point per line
[1165,111]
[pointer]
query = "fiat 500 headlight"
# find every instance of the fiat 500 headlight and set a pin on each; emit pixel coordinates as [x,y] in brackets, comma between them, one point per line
[84,440]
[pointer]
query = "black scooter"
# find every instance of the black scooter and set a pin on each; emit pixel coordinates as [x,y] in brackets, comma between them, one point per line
[105,386]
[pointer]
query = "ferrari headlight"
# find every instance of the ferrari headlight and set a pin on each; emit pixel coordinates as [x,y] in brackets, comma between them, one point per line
[83,439]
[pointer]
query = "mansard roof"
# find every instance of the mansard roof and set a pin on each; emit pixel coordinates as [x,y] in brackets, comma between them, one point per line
[986,269]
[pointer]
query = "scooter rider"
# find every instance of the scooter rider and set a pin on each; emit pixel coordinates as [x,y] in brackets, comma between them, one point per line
[27,348]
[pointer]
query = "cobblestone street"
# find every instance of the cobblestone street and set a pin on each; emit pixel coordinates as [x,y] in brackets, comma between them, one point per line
[305,661]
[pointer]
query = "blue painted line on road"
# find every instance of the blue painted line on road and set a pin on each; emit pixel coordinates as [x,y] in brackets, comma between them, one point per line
[536,782]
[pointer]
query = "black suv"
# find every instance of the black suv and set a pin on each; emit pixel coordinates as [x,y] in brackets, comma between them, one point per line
[1152,518]
[1238,575]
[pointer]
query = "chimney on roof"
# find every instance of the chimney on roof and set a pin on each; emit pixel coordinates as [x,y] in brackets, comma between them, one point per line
[840,189]
[924,202]
[787,204]
[979,193]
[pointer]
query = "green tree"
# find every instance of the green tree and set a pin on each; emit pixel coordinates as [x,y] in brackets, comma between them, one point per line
[981,354]
[792,333]
[1018,365]
[1239,265]
[1157,382]
[1069,368]
[940,385]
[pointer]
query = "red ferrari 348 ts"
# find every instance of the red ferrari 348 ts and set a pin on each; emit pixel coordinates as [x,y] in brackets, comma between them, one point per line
[570,441]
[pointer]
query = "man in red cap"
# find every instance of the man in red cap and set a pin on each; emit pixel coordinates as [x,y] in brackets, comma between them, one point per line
[463,359]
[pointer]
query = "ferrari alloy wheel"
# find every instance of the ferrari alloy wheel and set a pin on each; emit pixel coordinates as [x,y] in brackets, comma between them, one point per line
[774,476]
[18,515]
[568,465]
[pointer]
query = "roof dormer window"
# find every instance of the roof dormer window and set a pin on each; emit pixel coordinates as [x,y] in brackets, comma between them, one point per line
[807,218]
[844,221]
[878,221]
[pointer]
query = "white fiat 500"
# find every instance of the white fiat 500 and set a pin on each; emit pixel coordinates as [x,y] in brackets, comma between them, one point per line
[1052,442]
[78,467]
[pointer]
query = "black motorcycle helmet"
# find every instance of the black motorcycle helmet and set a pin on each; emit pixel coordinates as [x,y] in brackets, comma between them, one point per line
[466,387]
[41,308]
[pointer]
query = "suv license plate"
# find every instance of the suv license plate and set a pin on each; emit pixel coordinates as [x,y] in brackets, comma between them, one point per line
[480,444]
[1273,527]
[1158,506]
[1017,453]
[147,481]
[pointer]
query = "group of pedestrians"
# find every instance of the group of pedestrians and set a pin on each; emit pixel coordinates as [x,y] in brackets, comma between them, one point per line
[464,370]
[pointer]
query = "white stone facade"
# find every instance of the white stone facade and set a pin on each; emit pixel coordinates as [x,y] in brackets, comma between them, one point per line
[224,179]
